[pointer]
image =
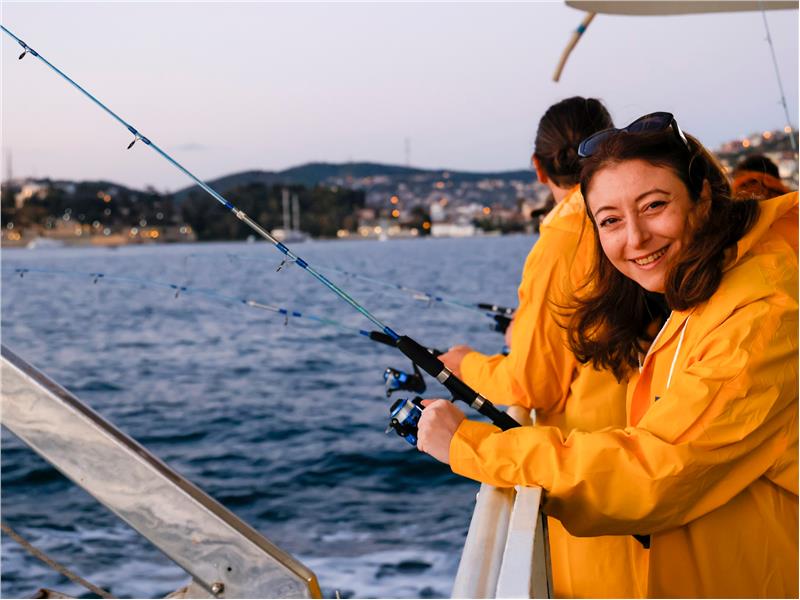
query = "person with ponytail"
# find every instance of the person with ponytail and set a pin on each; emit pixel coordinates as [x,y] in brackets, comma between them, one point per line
[540,372]
[692,300]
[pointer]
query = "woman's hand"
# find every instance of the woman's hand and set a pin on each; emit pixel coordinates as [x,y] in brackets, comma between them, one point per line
[436,428]
[453,357]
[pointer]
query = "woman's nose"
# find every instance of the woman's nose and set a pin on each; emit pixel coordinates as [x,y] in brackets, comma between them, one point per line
[638,235]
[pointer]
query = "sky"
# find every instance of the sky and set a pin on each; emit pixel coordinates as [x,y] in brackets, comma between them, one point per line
[227,87]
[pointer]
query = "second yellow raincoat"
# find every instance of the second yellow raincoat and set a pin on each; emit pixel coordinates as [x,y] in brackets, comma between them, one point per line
[541,373]
[708,464]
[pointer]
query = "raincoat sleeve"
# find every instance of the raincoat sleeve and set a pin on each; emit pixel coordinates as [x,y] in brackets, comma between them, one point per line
[539,368]
[727,418]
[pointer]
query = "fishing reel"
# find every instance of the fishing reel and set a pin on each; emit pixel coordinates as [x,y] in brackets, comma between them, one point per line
[395,381]
[501,323]
[404,418]
[502,316]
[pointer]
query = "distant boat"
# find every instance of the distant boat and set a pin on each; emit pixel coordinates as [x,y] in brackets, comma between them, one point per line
[43,242]
[290,233]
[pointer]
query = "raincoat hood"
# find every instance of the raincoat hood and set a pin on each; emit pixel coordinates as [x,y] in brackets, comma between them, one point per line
[751,184]
[779,215]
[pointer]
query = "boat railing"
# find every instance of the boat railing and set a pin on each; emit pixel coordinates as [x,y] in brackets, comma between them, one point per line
[506,553]
[225,557]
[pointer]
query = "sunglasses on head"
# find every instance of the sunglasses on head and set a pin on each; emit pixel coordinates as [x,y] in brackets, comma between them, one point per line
[657,121]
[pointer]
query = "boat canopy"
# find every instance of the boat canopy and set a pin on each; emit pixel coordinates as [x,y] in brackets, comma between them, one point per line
[652,8]
[676,7]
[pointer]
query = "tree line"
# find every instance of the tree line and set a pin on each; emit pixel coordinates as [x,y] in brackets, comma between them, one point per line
[323,210]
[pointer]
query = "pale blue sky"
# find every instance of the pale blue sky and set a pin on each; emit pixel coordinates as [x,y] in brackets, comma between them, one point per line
[234,86]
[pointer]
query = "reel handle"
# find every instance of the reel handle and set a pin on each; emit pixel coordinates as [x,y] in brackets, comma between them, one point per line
[404,418]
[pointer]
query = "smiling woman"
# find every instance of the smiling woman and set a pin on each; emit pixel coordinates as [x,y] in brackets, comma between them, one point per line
[707,465]
[664,220]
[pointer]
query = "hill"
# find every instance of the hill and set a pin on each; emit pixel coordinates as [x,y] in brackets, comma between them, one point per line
[355,175]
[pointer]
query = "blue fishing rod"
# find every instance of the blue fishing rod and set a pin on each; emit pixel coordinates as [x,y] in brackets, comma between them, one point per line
[180,289]
[394,380]
[416,352]
[501,315]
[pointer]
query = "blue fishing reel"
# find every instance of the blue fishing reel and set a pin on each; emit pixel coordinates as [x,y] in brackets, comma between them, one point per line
[405,416]
[396,381]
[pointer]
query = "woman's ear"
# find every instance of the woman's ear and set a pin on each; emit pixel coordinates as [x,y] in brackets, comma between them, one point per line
[540,174]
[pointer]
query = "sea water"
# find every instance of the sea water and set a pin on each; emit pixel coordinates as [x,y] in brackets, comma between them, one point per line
[283,423]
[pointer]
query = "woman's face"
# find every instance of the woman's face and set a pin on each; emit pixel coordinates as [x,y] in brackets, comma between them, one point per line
[642,213]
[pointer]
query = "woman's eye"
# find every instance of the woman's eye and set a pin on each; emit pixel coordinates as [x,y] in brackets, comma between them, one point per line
[608,221]
[657,204]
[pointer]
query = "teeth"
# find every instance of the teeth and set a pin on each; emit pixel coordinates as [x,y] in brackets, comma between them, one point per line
[653,257]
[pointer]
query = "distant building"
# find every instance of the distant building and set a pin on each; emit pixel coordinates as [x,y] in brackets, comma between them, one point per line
[29,190]
[437,213]
[453,230]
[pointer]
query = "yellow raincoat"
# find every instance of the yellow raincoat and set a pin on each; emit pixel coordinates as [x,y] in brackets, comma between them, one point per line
[540,372]
[708,463]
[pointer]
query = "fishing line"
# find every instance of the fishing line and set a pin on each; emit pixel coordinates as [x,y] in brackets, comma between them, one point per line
[501,314]
[412,349]
[211,294]
[394,380]
[778,77]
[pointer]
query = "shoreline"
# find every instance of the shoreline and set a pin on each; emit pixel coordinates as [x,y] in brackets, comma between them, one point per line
[45,242]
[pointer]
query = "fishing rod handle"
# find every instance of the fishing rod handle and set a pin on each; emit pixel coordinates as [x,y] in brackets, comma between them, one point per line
[382,338]
[460,390]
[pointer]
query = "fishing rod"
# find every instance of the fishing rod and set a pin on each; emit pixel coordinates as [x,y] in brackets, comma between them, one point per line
[180,289]
[394,380]
[501,315]
[487,309]
[416,352]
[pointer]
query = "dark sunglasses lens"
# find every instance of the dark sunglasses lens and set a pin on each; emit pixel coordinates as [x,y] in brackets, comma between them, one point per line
[590,145]
[657,122]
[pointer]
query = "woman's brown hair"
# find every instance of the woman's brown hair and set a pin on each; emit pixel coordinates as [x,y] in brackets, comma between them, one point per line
[561,129]
[611,317]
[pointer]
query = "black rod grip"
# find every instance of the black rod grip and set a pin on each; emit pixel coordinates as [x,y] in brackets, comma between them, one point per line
[460,390]
[420,355]
[502,419]
[382,338]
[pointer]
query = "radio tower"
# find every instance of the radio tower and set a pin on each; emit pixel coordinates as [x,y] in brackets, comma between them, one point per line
[9,174]
[408,152]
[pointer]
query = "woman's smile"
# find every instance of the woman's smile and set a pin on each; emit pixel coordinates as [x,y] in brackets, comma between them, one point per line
[651,260]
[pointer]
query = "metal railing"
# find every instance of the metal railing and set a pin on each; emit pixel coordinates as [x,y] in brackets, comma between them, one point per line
[506,553]
[225,557]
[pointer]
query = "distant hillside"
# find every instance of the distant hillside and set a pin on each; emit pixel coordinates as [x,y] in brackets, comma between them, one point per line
[312,174]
